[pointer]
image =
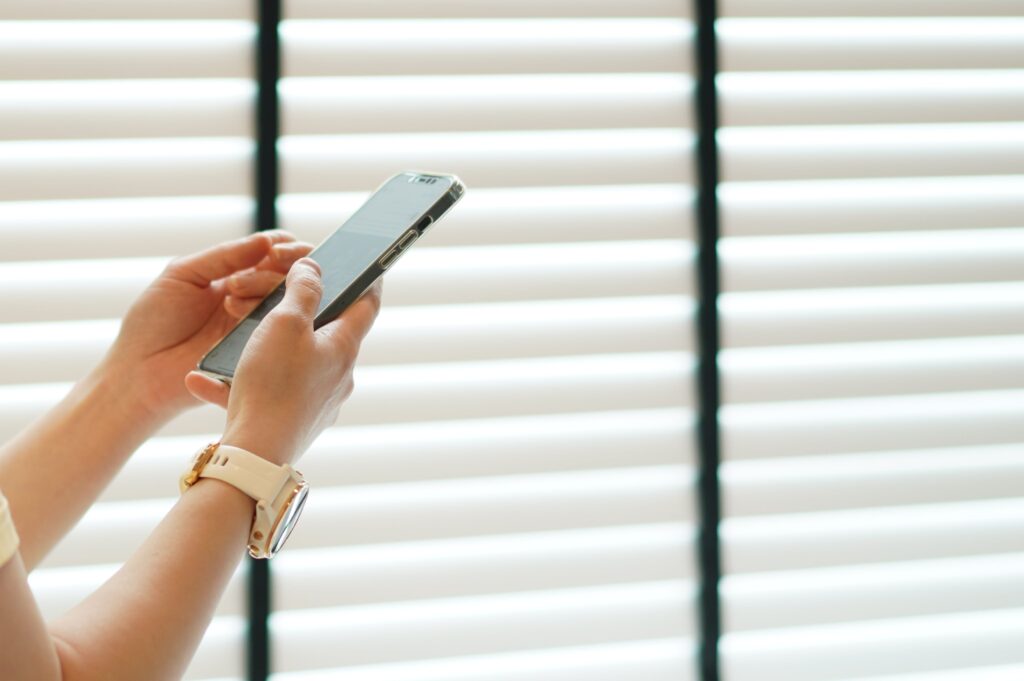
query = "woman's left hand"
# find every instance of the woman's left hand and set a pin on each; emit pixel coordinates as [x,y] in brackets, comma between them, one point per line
[194,302]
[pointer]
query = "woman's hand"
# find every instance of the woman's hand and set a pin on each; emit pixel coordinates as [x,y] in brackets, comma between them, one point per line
[291,380]
[194,302]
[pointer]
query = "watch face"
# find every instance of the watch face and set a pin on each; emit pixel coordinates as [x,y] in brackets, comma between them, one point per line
[289,519]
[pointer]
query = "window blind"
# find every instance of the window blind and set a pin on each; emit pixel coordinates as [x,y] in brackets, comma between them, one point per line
[509,496]
[125,139]
[872,340]
[511,485]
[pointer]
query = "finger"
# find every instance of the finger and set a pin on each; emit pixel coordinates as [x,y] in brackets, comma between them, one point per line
[239,308]
[223,259]
[302,291]
[220,260]
[207,389]
[283,256]
[253,283]
[351,327]
[278,236]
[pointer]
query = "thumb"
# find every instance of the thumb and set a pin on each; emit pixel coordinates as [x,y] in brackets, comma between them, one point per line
[302,290]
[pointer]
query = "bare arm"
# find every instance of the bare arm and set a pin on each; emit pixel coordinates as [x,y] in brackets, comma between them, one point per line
[54,469]
[148,619]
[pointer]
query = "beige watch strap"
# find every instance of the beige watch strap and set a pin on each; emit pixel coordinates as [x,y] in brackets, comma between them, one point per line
[254,475]
[8,535]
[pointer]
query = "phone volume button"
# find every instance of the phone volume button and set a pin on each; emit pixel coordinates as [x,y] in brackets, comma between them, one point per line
[388,258]
[407,239]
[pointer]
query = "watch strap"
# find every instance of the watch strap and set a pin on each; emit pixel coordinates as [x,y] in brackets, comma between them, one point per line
[253,475]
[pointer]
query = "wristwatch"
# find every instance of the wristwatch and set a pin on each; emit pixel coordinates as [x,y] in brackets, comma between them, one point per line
[279,491]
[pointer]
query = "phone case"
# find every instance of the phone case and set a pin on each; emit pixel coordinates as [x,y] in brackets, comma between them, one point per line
[375,269]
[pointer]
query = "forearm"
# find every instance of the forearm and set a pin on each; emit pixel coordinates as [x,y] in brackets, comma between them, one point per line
[55,469]
[148,619]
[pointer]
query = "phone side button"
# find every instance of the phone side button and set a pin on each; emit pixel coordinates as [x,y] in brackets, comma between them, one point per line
[388,258]
[407,239]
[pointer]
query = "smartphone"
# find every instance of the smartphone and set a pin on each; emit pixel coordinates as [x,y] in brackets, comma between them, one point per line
[355,255]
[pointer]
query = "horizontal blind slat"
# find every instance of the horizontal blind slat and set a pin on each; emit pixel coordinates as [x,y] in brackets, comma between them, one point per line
[511,387]
[821,152]
[479,46]
[891,259]
[872,592]
[80,169]
[321,163]
[868,8]
[1000,673]
[505,505]
[33,50]
[872,535]
[116,228]
[483,9]
[476,625]
[65,10]
[475,103]
[865,97]
[870,43]
[806,317]
[795,373]
[779,429]
[510,330]
[339,576]
[670,659]
[125,108]
[827,653]
[871,205]
[864,480]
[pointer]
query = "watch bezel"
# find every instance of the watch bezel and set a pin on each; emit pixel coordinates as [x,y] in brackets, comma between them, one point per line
[267,550]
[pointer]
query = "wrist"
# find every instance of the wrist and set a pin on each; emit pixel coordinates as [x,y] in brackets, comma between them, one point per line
[121,397]
[276,451]
[227,492]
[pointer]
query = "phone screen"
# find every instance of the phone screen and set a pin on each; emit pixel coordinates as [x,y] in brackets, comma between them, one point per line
[347,253]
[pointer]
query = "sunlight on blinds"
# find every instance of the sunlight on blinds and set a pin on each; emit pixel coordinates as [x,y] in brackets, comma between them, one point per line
[511,496]
[872,367]
[124,140]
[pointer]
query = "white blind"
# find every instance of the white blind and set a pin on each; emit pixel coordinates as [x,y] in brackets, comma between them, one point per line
[873,361]
[510,495]
[125,138]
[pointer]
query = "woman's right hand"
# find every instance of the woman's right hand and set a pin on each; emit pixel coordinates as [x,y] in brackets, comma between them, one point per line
[291,380]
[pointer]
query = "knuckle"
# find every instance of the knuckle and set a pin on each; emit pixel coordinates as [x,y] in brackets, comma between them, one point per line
[307,281]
